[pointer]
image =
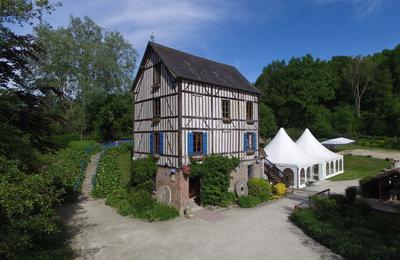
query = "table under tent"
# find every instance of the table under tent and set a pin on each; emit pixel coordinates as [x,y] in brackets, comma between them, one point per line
[292,162]
[329,163]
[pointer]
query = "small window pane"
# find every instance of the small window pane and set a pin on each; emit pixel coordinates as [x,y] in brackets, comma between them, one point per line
[156,107]
[157,74]
[226,109]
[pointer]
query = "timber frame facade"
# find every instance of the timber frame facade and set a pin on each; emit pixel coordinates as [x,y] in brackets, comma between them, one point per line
[186,106]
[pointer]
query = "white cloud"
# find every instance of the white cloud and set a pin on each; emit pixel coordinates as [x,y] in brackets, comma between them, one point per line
[362,8]
[170,21]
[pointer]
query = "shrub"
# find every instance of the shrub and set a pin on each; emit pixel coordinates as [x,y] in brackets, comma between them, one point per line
[324,206]
[351,194]
[228,198]
[141,205]
[143,174]
[248,201]
[362,206]
[214,175]
[339,198]
[369,187]
[280,189]
[353,233]
[259,188]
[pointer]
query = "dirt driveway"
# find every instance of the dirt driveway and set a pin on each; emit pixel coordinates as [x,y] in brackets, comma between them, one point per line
[98,232]
[381,154]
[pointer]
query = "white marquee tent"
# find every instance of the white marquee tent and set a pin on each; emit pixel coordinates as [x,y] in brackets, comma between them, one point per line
[329,163]
[289,158]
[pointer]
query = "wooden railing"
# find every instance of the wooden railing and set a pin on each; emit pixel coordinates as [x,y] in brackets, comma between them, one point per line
[275,174]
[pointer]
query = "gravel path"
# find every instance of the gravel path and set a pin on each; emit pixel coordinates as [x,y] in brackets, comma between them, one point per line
[99,232]
[381,154]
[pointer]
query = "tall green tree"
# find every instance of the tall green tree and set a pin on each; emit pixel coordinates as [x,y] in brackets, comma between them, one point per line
[86,63]
[359,73]
[26,120]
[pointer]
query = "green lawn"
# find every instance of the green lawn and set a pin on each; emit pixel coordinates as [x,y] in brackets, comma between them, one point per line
[357,167]
[124,164]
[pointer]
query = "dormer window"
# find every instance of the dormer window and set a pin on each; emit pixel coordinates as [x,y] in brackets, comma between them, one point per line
[157,75]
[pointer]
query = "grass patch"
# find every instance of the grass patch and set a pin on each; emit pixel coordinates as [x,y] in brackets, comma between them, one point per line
[357,167]
[352,230]
[124,164]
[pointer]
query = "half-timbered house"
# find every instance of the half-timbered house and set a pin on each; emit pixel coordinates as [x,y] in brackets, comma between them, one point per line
[187,106]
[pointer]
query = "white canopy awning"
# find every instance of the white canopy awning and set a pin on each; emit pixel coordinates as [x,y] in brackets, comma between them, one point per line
[282,150]
[312,147]
[338,141]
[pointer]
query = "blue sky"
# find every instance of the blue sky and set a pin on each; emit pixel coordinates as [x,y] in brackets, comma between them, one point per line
[247,34]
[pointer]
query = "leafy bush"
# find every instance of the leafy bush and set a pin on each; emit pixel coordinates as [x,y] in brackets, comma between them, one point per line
[362,206]
[214,175]
[353,233]
[369,187]
[339,198]
[108,174]
[248,201]
[279,189]
[228,198]
[324,206]
[260,188]
[141,205]
[143,174]
[27,217]
[351,194]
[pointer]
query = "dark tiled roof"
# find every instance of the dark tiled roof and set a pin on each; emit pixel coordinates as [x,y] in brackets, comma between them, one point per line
[187,66]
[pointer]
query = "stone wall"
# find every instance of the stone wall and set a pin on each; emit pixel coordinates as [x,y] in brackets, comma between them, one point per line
[240,173]
[178,184]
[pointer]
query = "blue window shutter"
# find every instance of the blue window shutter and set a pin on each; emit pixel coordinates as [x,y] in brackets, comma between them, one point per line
[190,143]
[245,142]
[151,142]
[204,143]
[254,141]
[161,152]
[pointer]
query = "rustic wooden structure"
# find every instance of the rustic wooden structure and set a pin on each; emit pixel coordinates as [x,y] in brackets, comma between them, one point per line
[388,184]
[187,106]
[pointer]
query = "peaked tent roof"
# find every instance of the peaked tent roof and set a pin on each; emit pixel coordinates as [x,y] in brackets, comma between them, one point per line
[188,66]
[311,146]
[282,150]
[338,141]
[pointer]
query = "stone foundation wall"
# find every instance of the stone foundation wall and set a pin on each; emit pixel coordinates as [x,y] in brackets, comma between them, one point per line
[178,184]
[240,173]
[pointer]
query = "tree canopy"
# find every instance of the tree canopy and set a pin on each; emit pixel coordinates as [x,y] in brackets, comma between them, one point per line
[343,95]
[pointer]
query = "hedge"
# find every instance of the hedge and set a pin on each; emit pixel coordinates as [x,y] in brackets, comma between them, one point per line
[29,226]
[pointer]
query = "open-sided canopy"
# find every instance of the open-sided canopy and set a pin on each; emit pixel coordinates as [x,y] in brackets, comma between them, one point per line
[338,141]
[312,147]
[282,150]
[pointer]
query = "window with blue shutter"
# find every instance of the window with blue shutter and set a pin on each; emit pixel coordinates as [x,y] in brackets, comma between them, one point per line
[204,143]
[151,142]
[245,144]
[161,146]
[190,143]
[254,141]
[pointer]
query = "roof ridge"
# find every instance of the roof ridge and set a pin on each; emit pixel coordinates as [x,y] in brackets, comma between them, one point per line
[186,53]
